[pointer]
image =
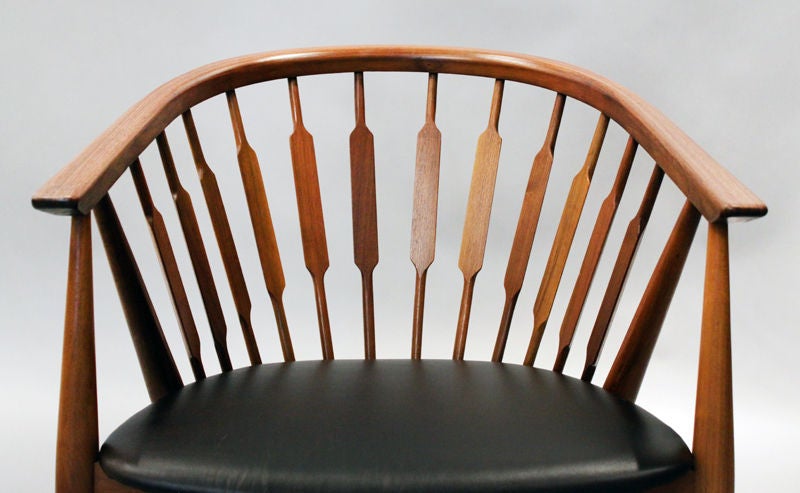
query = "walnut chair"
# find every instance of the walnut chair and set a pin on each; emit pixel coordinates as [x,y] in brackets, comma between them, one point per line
[392,425]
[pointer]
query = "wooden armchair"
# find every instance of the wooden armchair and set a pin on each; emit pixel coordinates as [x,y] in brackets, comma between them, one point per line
[383,425]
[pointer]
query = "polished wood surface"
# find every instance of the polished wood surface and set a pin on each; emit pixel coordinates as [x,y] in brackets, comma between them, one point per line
[479,209]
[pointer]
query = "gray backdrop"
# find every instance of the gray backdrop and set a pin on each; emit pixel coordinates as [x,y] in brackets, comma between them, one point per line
[725,72]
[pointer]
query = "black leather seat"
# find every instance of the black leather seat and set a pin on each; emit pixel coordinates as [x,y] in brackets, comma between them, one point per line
[393,425]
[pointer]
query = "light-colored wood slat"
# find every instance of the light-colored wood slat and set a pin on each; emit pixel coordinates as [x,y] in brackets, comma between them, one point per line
[222,232]
[365,215]
[155,359]
[563,240]
[77,442]
[169,266]
[197,254]
[626,374]
[526,226]
[309,206]
[261,220]
[713,425]
[425,209]
[619,274]
[479,208]
[597,241]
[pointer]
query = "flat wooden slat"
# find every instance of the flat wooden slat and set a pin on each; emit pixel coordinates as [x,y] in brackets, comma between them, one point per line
[605,217]
[365,215]
[77,442]
[169,266]
[626,374]
[158,368]
[713,426]
[563,240]
[261,220]
[619,274]
[309,206]
[222,232]
[479,208]
[197,254]
[526,226]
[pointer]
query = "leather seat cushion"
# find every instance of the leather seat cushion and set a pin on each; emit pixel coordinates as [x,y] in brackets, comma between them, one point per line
[393,425]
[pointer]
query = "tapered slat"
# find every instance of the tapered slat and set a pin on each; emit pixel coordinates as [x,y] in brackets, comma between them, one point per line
[309,206]
[479,208]
[222,232]
[563,240]
[158,368]
[713,425]
[619,274]
[197,254]
[605,217]
[77,443]
[626,374]
[261,220]
[526,226]
[169,267]
[426,201]
[365,216]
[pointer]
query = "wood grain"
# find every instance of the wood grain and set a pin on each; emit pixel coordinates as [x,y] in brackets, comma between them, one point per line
[526,226]
[77,442]
[479,208]
[425,209]
[626,374]
[563,240]
[261,220]
[224,237]
[309,207]
[619,274]
[597,241]
[365,214]
[169,267]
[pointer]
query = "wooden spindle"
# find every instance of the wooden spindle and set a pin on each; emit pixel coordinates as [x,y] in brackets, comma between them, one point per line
[77,442]
[426,201]
[605,217]
[626,374]
[563,240]
[526,225]
[365,215]
[169,266]
[479,208]
[713,425]
[309,206]
[158,368]
[222,232]
[619,274]
[261,220]
[197,254]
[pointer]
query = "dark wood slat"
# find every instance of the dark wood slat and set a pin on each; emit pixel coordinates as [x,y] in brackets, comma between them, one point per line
[365,215]
[169,266]
[158,368]
[426,201]
[713,425]
[605,217]
[261,220]
[197,254]
[309,206]
[77,442]
[619,274]
[479,208]
[563,240]
[222,232]
[526,226]
[627,372]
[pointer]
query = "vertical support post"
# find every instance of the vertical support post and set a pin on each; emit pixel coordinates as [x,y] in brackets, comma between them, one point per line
[77,442]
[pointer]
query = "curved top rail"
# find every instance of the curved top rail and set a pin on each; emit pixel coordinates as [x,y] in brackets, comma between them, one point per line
[77,187]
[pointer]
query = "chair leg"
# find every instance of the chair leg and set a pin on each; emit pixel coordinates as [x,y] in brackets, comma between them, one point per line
[104,484]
